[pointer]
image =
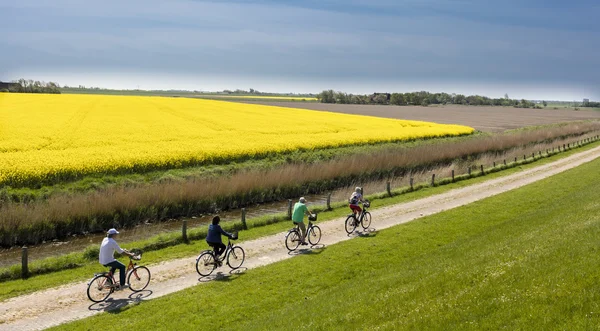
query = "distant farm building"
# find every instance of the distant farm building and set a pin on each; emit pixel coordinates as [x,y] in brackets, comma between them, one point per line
[379,96]
[6,86]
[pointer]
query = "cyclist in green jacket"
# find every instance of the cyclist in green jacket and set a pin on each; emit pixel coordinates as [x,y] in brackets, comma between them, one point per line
[300,210]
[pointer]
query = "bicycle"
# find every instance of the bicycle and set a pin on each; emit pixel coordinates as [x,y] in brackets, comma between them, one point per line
[313,233]
[207,261]
[364,219]
[104,284]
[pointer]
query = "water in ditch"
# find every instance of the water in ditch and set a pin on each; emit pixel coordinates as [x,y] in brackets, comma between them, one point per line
[76,243]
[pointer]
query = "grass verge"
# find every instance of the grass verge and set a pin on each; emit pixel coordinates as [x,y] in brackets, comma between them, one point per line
[525,259]
[171,246]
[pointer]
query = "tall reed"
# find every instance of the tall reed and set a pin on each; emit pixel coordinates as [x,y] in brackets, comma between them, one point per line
[127,205]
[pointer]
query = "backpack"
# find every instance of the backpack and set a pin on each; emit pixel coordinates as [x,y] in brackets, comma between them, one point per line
[353,200]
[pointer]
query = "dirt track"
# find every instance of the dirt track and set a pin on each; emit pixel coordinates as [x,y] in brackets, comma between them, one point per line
[59,305]
[484,118]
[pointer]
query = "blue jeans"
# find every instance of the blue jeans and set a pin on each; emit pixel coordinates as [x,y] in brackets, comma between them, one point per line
[117,265]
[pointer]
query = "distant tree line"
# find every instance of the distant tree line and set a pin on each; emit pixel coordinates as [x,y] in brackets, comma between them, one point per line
[422,98]
[30,86]
[587,103]
[257,92]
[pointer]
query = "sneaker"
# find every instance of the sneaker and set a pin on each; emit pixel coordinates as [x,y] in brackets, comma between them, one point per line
[304,244]
[122,287]
[219,263]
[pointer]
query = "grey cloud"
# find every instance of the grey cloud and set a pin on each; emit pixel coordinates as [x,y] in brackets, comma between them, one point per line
[281,41]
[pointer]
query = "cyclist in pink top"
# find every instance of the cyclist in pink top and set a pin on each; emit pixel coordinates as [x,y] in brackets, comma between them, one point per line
[355,198]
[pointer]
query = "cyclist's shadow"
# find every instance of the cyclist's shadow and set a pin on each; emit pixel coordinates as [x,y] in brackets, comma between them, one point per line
[224,276]
[312,250]
[114,305]
[367,233]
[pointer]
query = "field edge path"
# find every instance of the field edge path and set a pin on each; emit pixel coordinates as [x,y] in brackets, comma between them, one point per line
[59,305]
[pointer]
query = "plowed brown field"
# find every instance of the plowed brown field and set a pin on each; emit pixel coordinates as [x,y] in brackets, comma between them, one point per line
[490,119]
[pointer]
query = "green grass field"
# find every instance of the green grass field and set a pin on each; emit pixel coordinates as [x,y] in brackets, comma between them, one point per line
[525,259]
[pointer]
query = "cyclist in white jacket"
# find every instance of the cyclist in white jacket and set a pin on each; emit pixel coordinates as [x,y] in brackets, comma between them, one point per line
[107,259]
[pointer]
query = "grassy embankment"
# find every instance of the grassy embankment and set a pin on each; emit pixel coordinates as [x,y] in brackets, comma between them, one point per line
[525,259]
[569,106]
[285,176]
[171,246]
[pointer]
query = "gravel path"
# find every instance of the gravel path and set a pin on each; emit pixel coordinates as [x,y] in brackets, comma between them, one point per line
[55,306]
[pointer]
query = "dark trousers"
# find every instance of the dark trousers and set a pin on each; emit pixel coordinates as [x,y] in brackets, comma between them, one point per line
[219,248]
[118,265]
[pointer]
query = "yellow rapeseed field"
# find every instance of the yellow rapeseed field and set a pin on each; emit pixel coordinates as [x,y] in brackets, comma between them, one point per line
[51,138]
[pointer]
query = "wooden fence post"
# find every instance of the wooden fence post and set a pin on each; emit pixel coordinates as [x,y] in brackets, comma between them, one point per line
[483,173]
[524,157]
[453,175]
[494,164]
[411,183]
[533,156]
[184,231]
[24,267]
[388,188]
[244,225]
[504,161]
[432,179]
[329,201]
[515,159]
[469,171]
[289,209]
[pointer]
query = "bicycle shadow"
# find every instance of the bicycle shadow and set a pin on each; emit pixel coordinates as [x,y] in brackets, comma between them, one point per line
[367,233]
[224,276]
[113,305]
[313,250]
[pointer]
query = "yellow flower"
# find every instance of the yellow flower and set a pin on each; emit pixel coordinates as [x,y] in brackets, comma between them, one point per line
[58,137]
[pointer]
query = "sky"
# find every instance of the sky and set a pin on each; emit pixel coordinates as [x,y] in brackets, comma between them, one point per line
[542,50]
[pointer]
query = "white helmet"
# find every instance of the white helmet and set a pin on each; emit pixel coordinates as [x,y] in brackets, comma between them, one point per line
[358,189]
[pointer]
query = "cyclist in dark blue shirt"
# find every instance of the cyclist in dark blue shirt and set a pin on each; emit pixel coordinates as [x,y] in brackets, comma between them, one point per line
[213,238]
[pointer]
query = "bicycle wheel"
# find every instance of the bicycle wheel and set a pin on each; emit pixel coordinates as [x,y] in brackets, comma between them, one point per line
[350,224]
[99,288]
[138,278]
[205,263]
[314,235]
[365,220]
[235,257]
[292,240]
